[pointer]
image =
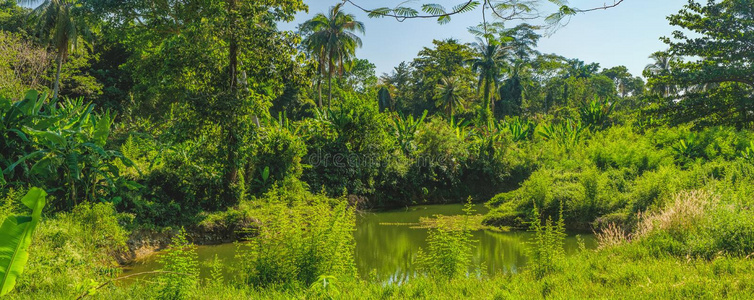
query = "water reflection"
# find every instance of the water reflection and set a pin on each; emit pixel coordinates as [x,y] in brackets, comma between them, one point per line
[386,245]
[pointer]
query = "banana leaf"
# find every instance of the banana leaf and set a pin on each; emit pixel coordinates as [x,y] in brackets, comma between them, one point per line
[15,237]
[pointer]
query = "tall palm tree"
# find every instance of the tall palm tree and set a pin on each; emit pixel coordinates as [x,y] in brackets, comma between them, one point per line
[332,40]
[489,61]
[58,24]
[450,94]
[662,65]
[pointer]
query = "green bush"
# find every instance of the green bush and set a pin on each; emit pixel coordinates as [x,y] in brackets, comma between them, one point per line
[73,249]
[300,240]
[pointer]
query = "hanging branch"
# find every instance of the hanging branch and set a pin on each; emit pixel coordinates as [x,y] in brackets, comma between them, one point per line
[513,10]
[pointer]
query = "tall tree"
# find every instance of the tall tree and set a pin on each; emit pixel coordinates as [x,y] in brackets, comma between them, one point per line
[450,94]
[447,58]
[661,66]
[488,63]
[715,65]
[219,62]
[399,80]
[333,41]
[61,24]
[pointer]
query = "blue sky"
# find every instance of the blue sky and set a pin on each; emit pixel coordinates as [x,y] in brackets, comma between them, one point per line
[624,35]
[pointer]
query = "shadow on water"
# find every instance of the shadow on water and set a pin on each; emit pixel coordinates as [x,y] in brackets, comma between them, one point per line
[386,244]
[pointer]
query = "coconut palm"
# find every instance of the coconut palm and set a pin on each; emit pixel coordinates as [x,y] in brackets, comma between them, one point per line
[332,41]
[662,65]
[450,94]
[60,26]
[489,61]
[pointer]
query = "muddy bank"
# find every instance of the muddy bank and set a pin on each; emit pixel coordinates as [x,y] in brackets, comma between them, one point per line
[145,241]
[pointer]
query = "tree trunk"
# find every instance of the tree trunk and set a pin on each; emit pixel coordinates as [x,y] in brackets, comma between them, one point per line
[232,142]
[319,90]
[329,90]
[487,107]
[56,85]
[492,103]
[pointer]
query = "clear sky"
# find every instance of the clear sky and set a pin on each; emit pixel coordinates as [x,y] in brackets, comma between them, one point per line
[624,35]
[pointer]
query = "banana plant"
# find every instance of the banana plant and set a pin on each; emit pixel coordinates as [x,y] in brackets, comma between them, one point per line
[15,237]
[746,154]
[459,127]
[14,117]
[521,130]
[687,148]
[566,134]
[264,177]
[404,129]
[65,151]
[490,138]
[595,114]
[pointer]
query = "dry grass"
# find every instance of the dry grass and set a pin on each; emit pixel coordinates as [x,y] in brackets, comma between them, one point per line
[612,235]
[687,209]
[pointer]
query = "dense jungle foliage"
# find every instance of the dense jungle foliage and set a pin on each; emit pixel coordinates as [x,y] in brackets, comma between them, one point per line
[192,117]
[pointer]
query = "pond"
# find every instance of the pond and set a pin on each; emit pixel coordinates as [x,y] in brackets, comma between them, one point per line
[386,243]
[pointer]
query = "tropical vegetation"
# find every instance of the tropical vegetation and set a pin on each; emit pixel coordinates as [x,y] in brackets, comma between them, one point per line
[177,124]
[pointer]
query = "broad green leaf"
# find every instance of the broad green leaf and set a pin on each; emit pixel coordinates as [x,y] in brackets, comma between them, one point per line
[102,130]
[22,159]
[72,161]
[15,237]
[46,136]
[42,166]
[5,103]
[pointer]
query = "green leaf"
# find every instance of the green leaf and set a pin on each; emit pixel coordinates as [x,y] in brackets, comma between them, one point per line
[42,166]
[22,159]
[72,161]
[15,237]
[379,12]
[102,130]
[433,8]
[46,136]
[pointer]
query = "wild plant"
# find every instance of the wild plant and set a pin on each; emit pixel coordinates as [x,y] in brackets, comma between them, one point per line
[547,249]
[566,134]
[748,153]
[180,269]
[687,149]
[404,129]
[448,253]
[596,113]
[521,130]
[459,127]
[299,243]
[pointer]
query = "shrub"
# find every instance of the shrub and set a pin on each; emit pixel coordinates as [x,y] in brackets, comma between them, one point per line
[72,249]
[546,252]
[180,269]
[299,241]
[449,249]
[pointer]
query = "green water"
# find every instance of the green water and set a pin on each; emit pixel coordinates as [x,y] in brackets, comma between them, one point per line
[384,251]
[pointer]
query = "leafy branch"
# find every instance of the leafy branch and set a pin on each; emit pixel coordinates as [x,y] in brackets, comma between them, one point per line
[505,10]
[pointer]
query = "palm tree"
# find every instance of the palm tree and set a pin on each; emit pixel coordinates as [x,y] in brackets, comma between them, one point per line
[332,40]
[662,65]
[488,63]
[58,24]
[450,94]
